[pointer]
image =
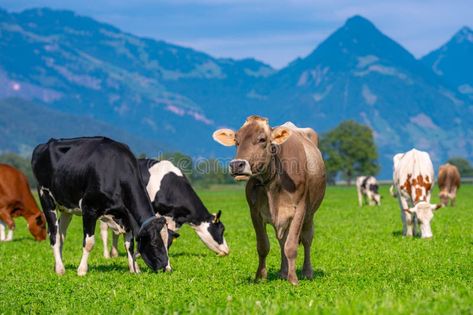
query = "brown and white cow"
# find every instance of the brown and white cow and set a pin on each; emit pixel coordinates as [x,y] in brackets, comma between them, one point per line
[414,178]
[449,182]
[286,185]
[15,201]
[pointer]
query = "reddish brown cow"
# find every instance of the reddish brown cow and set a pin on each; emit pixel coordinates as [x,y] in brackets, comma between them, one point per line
[449,182]
[15,201]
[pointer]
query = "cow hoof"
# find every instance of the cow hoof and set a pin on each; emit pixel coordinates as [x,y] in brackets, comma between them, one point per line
[308,274]
[113,253]
[60,270]
[106,255]
[261,275]
[293,280]
[135,270]
[81,271]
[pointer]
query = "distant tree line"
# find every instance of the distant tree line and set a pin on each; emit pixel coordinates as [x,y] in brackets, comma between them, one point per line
[349,150]
[201,172]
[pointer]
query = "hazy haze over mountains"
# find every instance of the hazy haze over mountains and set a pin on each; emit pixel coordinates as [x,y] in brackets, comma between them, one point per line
[153,94]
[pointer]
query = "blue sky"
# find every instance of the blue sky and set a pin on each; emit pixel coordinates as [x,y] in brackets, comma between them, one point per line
[273,31]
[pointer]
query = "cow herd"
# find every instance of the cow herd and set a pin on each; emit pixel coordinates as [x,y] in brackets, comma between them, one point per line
[148,200]
[413,180]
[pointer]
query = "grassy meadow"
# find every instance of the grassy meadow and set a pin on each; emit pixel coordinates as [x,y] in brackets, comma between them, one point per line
[362,265]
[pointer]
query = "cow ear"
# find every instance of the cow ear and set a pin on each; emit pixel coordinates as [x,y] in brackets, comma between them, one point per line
[217,216]
[436,207]
[280,134]
[225,137]
[173,234]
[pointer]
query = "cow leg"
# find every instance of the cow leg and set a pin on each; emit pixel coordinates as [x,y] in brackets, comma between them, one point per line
[9,236]
[292,242]
[406,217]
[48,204]
[63,225]
[104,236]
[60,228]
[88,221]
[129,246]
[408,223]
[55,237]
[453,196]
[283,270]
[6,218]
[360,197]
[114,251]
[369,196]
[262,244]
[307,235]
[2,231]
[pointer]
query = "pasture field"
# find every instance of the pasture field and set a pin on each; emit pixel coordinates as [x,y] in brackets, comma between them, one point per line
[362,265]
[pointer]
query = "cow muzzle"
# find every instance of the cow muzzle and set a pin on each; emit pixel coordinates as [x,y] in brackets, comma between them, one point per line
[240,169]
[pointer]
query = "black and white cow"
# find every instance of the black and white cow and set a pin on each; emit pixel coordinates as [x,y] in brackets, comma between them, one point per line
[97,177]
[367,189]
[174,198]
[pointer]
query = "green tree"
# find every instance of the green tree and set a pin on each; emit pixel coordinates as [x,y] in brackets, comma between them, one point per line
[21,163]
[463,165]
[349,150]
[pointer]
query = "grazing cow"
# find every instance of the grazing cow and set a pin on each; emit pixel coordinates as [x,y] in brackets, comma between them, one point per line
[413,178]
[172,196]
[286,185]
[449,182]
[15,201]
[367,188]
[98,178]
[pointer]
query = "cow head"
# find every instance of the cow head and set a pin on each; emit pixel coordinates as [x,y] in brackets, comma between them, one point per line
[424,212]
[37,226]
[153,242]
[256,142]
[211,233]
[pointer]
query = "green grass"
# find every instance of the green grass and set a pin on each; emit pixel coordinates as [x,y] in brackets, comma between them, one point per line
[362,263]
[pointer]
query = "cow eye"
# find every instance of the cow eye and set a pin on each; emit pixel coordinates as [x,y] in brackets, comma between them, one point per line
[261,140]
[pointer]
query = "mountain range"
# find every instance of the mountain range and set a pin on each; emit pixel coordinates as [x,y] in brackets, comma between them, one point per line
[92,78]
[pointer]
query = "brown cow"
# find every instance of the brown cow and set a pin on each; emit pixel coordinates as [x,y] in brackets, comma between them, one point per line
[449,182]
[16,200]
[286,184]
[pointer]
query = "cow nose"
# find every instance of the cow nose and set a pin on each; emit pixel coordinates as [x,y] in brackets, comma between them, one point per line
[237,166]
